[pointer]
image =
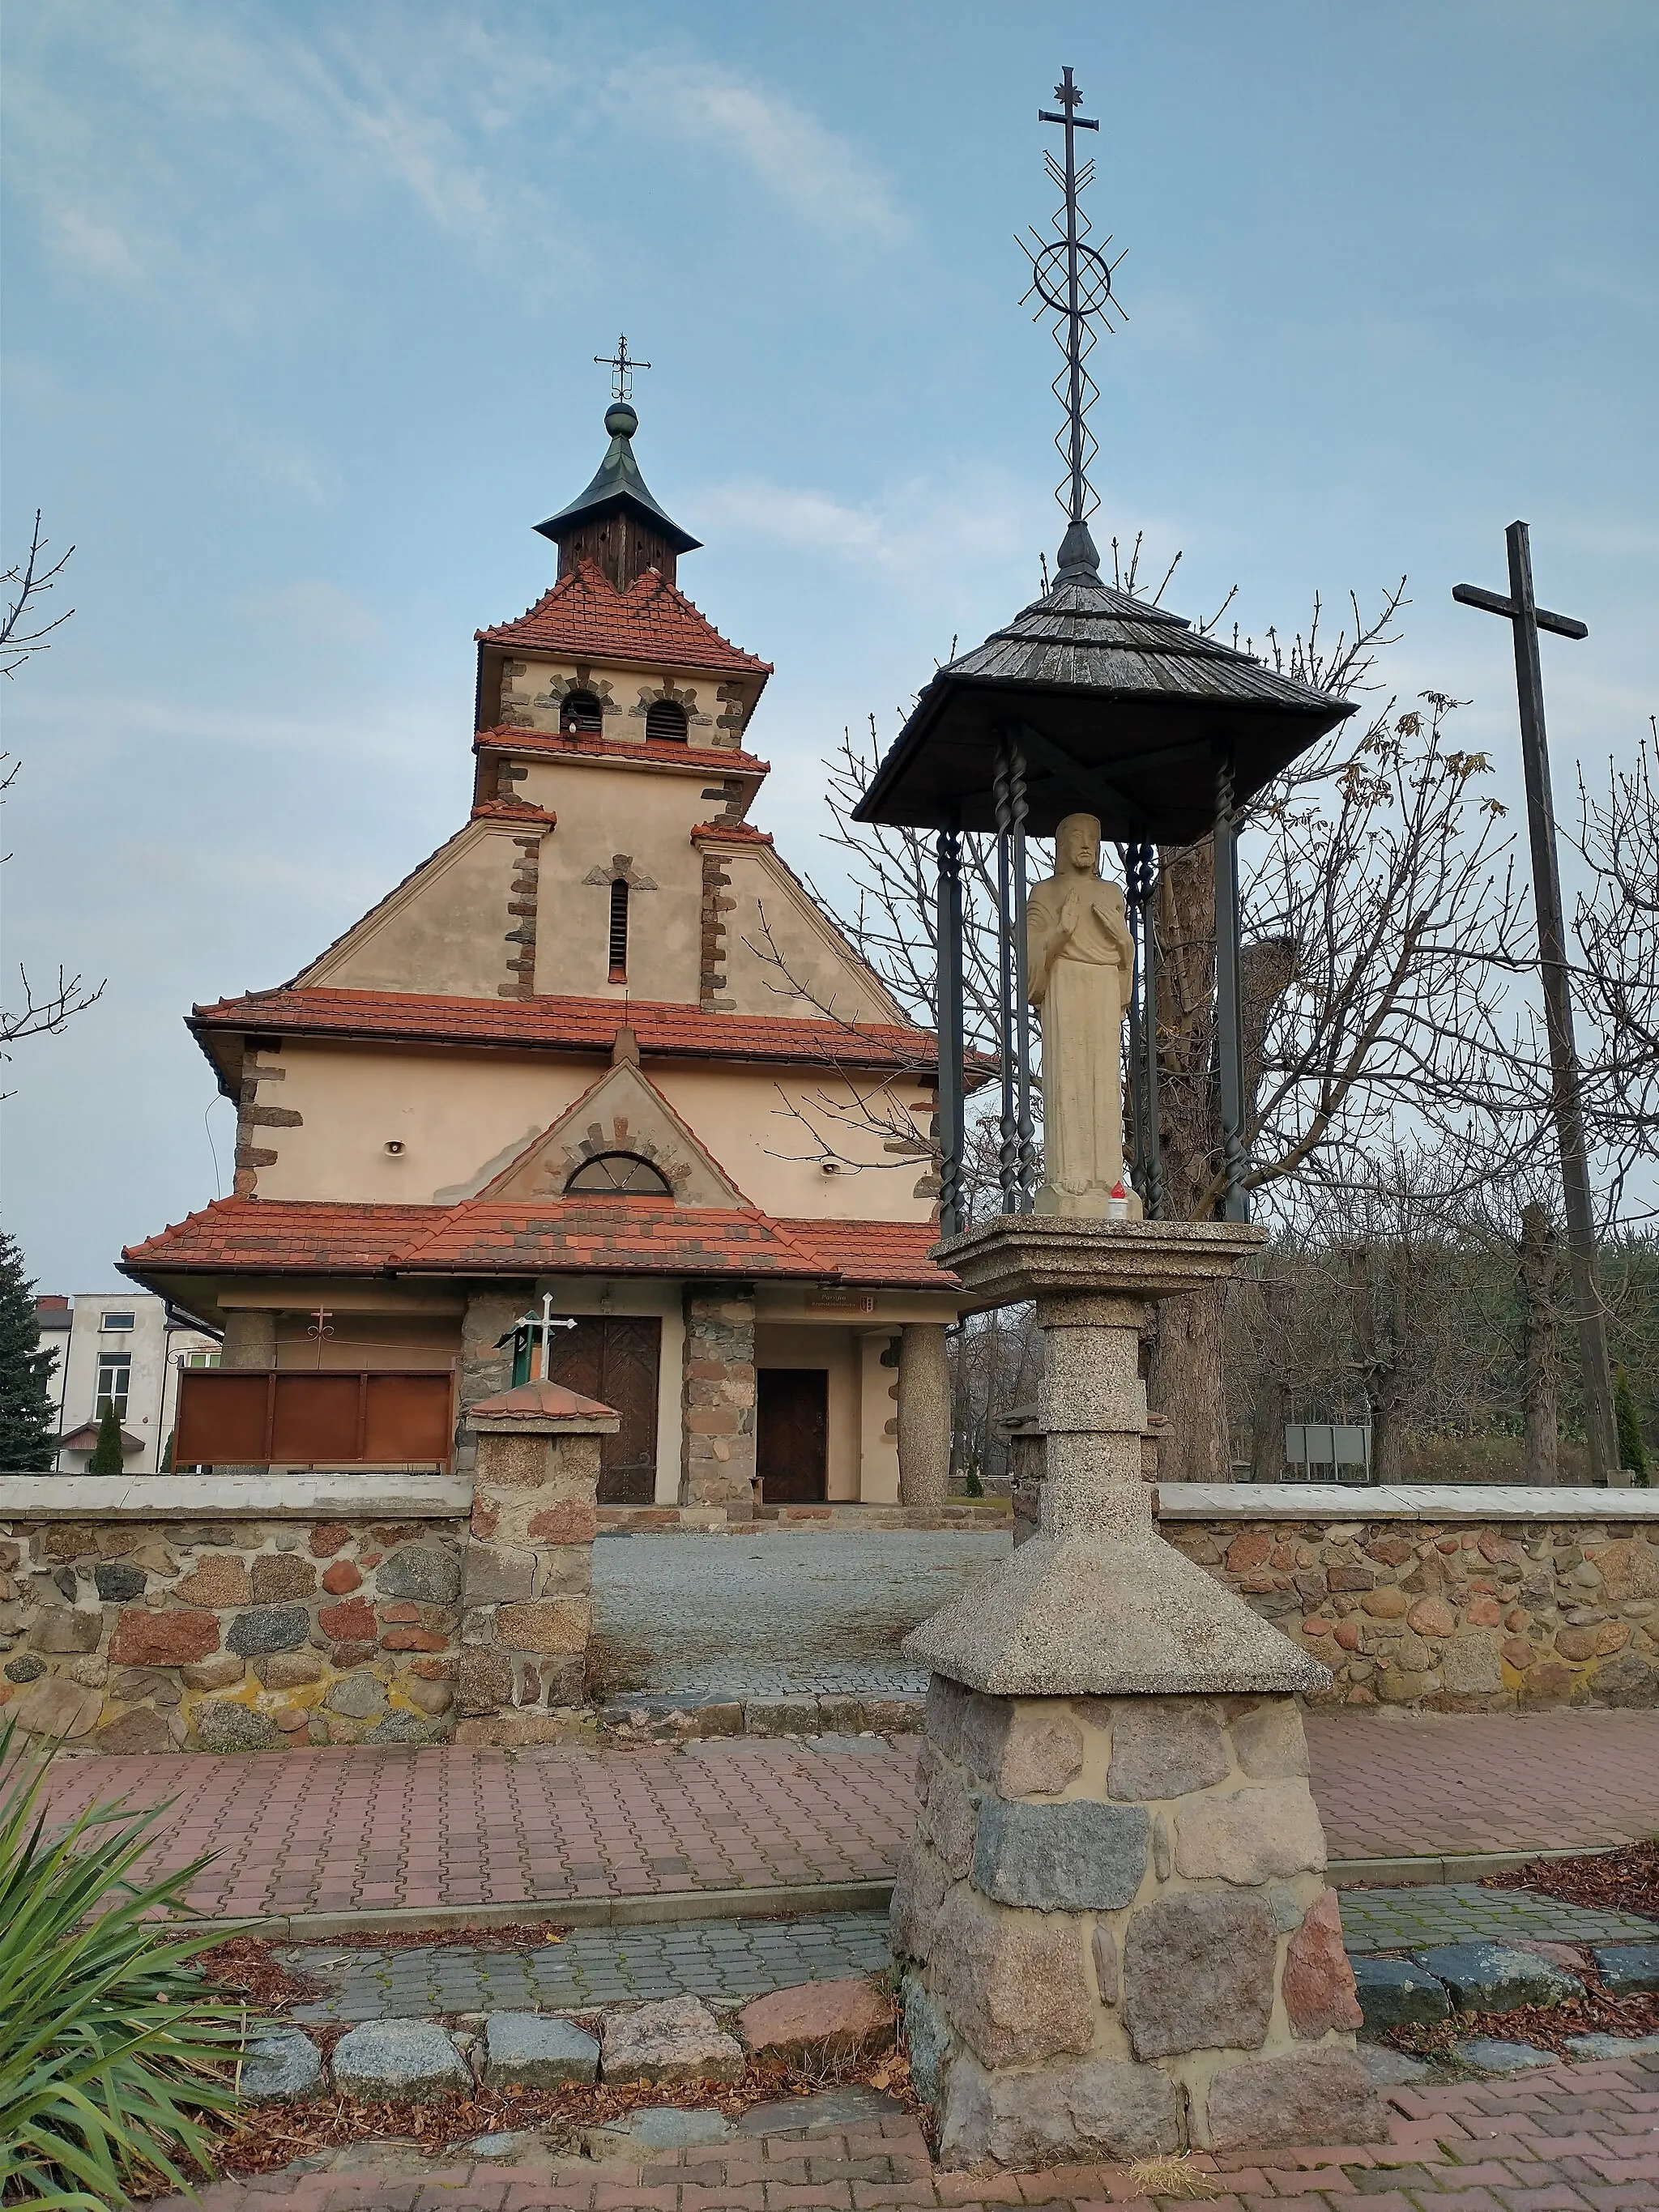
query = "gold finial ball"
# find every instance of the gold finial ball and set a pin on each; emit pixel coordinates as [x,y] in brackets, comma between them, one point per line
[620,420]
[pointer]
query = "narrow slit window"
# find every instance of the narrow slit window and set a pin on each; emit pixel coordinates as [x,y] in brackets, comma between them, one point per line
[619,931]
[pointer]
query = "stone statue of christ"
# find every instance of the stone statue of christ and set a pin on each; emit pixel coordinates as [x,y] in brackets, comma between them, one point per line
[1081,959]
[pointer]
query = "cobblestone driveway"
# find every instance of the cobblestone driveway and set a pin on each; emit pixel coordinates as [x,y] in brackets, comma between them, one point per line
[718,1617]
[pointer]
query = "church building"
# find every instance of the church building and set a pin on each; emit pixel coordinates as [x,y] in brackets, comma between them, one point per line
[600,1059]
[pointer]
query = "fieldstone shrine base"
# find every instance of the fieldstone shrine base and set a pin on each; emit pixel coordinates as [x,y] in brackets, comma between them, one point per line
[1116,1935]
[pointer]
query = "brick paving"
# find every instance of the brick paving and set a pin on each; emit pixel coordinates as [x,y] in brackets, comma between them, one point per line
[1579,2139]
[1398,1785]
[353,1829]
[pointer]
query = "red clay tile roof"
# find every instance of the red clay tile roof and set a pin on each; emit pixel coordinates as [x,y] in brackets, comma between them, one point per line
[285,1236]
[607,1236]
[541,1401]
[651,621]
[872,1252]
[586,1025]
[651,1237]
[514,810]
[667,752]
[745,832]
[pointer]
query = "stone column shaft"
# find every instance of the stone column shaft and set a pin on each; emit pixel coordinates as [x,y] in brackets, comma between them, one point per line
[924,1414]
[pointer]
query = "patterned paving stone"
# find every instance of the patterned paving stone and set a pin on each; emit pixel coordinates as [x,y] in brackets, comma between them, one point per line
[731,1959]
[1413,1919]
[1553,2139]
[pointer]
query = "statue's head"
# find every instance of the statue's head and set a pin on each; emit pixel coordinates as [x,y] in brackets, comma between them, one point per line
[1077,845]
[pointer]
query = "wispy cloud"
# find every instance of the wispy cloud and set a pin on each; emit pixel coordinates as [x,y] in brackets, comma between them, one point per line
[811,169]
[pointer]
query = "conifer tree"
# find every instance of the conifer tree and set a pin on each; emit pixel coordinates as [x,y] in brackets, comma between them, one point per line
[107,1456]
[27,1416]
[1633,1451]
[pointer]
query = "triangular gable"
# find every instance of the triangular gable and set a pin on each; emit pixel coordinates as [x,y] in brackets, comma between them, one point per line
[622,1113]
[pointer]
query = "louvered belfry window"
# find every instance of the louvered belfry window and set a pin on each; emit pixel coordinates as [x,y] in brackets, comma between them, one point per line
[664,720]
[582,715]
[619,931]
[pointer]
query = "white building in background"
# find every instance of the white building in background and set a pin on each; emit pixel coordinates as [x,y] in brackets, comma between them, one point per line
[124,1349]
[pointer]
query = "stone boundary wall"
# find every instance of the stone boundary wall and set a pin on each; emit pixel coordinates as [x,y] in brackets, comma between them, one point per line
[1443,1599]
[239,1613]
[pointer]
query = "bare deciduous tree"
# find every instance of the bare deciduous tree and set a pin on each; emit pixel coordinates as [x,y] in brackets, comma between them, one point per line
[44,1008]
[1617,923]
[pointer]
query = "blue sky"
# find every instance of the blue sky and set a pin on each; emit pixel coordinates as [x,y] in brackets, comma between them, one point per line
[301,304]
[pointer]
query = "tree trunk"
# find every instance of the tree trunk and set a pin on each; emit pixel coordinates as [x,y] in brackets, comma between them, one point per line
[1541,1346]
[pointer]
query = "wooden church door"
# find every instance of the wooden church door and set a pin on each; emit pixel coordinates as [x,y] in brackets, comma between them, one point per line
[615,1358]
[792,1442]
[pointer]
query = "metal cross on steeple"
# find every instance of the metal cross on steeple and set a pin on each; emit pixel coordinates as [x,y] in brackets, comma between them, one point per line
[621,365]
[1072,280]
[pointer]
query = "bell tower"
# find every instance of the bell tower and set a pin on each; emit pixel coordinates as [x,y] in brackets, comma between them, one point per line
[616,523]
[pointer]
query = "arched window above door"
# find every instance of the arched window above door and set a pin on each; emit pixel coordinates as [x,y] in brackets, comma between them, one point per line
[615,1174]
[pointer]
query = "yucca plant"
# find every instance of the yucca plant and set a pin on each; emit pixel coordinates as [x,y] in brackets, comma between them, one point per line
[113,2049]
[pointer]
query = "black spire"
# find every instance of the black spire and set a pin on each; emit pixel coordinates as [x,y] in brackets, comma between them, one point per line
[616,523]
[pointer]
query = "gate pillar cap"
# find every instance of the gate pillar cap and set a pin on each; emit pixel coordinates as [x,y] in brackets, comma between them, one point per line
[542,1409]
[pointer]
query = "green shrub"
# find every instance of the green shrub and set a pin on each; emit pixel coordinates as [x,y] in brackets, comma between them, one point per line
[1632,1452]
[111,2048]
[107,1456]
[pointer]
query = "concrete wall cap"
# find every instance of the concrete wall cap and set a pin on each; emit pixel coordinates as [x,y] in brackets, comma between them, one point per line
[299,1497]
[1412,1501]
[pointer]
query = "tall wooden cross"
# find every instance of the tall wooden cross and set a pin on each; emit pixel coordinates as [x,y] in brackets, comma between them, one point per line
[1522,610]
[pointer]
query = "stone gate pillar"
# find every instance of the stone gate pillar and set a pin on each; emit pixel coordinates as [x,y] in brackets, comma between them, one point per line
[526,1573]
[1113,1917]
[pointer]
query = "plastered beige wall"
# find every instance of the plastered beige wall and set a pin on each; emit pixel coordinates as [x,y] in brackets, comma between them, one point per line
[783,957]
[784,1344]
[445,930]
[357,1340]
[462,1117]
[602,812]
[878,1467]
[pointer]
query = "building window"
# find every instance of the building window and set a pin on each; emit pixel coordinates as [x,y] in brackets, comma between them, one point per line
[619,931]
[613,1174]
[118,1321]
[582,715]
[200,1358]
[666,721]
[114,1375]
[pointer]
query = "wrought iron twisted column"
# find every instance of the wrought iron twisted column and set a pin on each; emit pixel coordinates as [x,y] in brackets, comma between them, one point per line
[1149,1131]
[1228,1013]
[948,1017]
[1008,785]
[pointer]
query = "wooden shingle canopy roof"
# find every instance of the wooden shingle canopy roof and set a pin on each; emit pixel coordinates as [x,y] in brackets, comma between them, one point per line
[1119,708]
[630,1235]
[652,624]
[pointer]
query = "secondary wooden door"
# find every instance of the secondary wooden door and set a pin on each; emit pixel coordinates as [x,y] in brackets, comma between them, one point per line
[615,1358]
[791,1443]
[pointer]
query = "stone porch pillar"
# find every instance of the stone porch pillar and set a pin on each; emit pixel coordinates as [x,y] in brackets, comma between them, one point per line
[717,1445]
[1113,1918]
[527,1575]
[924,1414]
[249,1337]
